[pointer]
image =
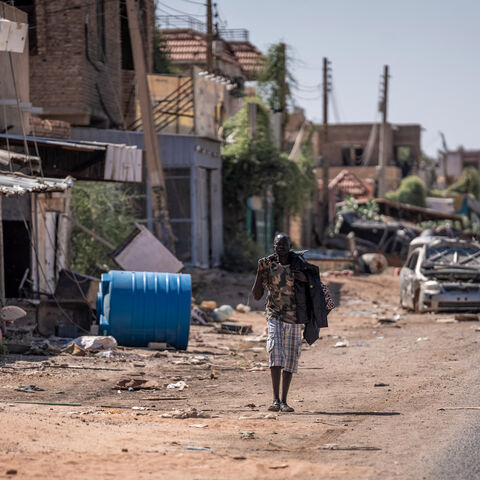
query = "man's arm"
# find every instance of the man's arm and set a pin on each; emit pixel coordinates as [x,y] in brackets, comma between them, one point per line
[257,289]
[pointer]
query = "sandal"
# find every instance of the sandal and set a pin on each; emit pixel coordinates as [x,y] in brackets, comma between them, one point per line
[284,407]
[275,406]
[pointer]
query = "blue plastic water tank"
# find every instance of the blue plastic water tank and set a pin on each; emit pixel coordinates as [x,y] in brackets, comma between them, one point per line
[141,307]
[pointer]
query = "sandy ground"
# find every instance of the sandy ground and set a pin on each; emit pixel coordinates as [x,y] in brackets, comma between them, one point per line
[373,409]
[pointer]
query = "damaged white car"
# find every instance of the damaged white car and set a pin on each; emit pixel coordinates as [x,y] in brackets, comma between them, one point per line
[441,274]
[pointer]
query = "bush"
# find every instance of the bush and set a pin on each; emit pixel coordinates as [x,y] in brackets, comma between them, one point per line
[412,191]
[468,182]
[242,254]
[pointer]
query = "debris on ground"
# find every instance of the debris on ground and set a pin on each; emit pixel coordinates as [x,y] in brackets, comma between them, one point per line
[180,385]
[278,467]
[198,316]
[382,384]
[198,425]
[342,344]
[157,346]
[243,308]
[421,339]
[135,384]
[235,328]
[211,304]
[223,313]
[81,346]
[191,412]
[373,263]
[466,317]
[334,446]
[446,320]
[29,388]
[247,435]
[192,447]
[394,319]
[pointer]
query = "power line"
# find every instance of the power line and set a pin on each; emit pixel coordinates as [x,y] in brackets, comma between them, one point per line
[177,10]
[195,3]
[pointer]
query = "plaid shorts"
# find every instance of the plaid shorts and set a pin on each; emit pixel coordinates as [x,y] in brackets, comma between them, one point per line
[284,344]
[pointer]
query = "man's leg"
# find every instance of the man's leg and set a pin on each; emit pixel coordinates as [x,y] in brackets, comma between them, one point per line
[293,346]
[276,374]
[276,359]
[287,378]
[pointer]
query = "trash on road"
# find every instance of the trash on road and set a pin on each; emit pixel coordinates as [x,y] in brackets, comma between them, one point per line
[421,339]
[235,328]
[190,412]
[29,388]
[382,384]
[446,320]
[466,317]
[212,304]
[193,447]
[394,319]
[82,345]
[223,313]
[342,344]
[243,308]
[247,435]
[181,385]
[135,384]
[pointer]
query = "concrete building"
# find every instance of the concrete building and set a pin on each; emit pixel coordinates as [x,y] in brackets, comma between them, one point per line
[81,66]
[456,161]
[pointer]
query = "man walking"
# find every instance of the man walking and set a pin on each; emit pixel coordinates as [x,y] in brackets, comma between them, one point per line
[289,279]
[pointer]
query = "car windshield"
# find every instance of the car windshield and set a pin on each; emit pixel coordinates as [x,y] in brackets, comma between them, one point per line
[456,256]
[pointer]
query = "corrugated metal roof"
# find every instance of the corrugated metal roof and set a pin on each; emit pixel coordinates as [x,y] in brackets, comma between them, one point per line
[55,142]
[19,184]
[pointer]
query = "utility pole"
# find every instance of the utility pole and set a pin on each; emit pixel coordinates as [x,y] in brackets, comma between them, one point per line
[163,228]
[283,95]
[209,37]
[382,151]
[325,159]
[444,158]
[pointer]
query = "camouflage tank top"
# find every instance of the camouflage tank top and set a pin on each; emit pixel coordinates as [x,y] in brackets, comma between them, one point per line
[279,280]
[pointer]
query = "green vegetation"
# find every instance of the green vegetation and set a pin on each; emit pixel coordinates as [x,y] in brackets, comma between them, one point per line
[276,80]
[412,191]
[468,183]
[110,210]
[241,254]
[161,55]
[251,166]
[367,211]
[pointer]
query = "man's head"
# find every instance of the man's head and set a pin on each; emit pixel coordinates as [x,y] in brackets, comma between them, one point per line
[281,244]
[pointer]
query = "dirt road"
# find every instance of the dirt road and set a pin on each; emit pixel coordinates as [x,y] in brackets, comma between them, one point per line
[385,406]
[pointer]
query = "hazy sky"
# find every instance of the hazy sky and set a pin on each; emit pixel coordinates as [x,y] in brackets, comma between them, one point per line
[432,47]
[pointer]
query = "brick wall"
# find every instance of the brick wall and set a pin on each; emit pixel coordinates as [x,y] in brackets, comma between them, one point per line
[342,136]
[42,127]
[70,76]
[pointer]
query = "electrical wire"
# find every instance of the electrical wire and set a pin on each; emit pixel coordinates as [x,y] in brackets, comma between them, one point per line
[195,3]
[177,10]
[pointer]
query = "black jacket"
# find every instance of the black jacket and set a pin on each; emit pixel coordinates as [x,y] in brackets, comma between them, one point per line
[309,298]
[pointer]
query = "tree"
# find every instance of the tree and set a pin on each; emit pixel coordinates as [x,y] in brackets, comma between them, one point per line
[161,55]
[250,166]
[110,210]
[276,80]
[412,191]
